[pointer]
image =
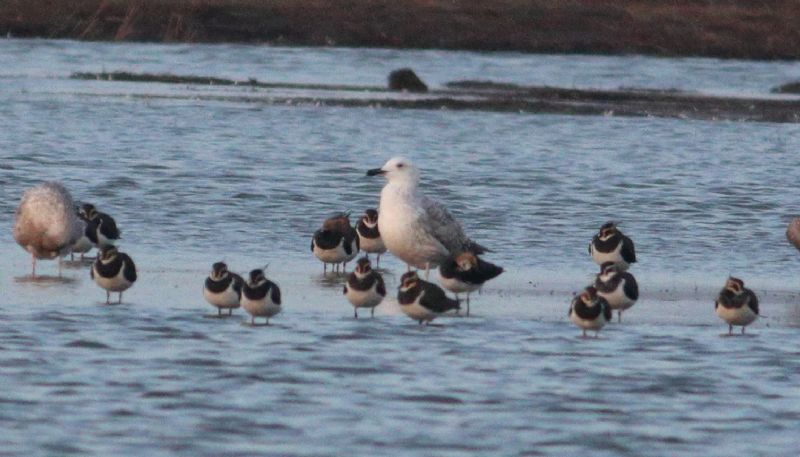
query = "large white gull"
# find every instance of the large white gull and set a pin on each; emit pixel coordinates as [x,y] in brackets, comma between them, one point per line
[418,230]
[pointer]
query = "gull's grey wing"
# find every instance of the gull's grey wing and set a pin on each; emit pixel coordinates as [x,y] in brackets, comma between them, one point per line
[446,229]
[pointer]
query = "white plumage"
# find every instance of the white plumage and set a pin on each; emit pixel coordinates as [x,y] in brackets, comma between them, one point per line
[418,230]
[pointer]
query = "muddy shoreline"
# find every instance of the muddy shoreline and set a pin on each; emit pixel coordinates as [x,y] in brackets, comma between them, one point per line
[727,29]
[490,96]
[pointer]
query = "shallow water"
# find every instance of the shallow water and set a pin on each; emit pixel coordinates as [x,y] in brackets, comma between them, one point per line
[191,181]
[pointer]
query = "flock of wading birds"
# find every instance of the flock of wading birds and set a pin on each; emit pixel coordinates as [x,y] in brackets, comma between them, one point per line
[418,230]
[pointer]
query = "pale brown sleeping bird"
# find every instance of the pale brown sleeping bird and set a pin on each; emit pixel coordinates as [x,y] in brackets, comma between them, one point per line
[45,223]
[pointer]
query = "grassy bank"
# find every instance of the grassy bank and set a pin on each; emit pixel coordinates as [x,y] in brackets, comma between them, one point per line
[721,28]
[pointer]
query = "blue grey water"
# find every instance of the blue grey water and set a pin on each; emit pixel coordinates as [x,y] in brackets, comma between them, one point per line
[194,175]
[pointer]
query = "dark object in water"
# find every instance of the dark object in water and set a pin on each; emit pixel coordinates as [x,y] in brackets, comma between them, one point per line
[406,79]
[788,88]
[793,232]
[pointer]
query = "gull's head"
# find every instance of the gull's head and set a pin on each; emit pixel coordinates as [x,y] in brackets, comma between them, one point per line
[397,169]
[219,271]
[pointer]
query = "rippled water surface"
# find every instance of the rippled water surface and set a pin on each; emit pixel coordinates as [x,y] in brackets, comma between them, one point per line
[192,180]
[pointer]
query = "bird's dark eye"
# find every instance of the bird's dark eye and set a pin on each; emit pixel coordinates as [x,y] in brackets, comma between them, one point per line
[399,165]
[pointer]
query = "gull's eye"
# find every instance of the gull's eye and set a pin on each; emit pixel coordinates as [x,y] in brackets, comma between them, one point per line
[399,165]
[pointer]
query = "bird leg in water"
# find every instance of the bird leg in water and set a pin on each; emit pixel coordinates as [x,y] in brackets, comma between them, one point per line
[33,271]
[355,313]
[427,269]
[372,312]
[619,316]
[730,329]
[378,261]
[120,299]
[467,304]
[59,267]
[108,298]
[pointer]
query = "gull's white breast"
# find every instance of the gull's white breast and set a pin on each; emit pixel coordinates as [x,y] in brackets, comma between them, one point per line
[401,220]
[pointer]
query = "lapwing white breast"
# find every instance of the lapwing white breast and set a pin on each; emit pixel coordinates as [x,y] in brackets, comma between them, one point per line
[223,288]
[736,304]
[364,287]
[421,300]
[589,311]
[114,271]
[260,297]
[369,236]
[611,245]
[336,242]
[619,288]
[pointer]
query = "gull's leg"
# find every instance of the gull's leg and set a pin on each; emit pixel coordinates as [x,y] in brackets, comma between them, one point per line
[33,271]
[108,298]
[324,268]
[59,267]
[730,329]
[427,269]
[120,299]
[742,329]
[372,313]
[355,312]
[619,316]
[467,304]
[378,261]
[584,333]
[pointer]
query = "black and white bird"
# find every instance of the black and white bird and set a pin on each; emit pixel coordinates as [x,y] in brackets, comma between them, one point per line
[114,271]
[611,245]
[102,229]
[260,296]
[364,287]
[336,242]
[736,304]
[84,244]
[223,289]
[421,300]
[369,237]
[466,273]
[45,223]
[589,311]
[619,288]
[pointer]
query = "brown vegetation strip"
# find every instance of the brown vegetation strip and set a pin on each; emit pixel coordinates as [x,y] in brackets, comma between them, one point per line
[723,28]
[489,96]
